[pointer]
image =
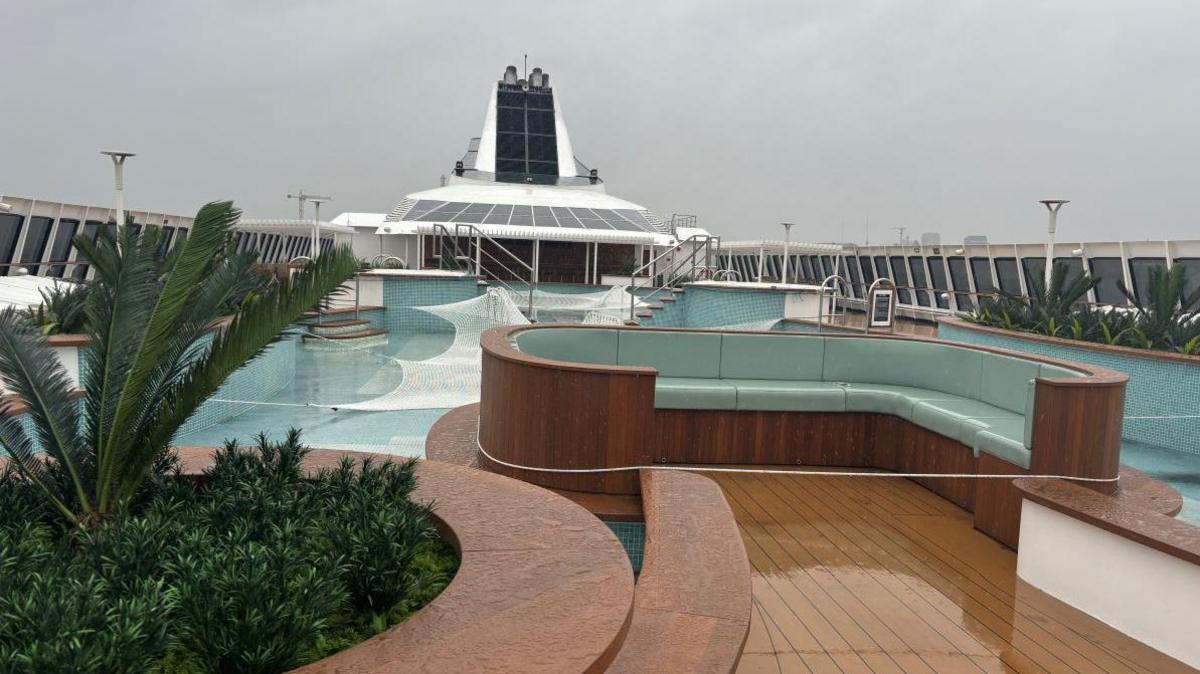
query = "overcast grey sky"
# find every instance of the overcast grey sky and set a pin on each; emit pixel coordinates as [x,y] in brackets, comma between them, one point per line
[946,115]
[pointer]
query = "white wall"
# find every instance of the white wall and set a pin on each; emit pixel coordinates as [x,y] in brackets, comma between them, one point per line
[1147,594]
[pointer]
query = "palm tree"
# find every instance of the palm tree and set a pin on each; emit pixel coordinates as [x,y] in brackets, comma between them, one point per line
[1168,306]
[149,364]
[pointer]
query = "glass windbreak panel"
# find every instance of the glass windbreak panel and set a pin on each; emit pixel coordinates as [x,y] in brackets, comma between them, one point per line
[826,266]
[937,275]
[1074,267]
[806,268]
[60,250]
[916,265]
[10,231]
[499,215]
[565,218]
[164,244]
[522,216]
[1006,273]
[981,271]
[1191,276]
[36,238]
[1034,269]
[1108,270]
[961,281]
[868,271]
[1139,272]
[854,276]
[91,229]
[900,278]
[180,236]
[881,268]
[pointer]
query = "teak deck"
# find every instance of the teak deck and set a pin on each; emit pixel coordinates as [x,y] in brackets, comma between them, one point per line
[881,575]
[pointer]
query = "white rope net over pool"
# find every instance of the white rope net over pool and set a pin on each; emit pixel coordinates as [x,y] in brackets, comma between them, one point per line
[451,378]
[603,307]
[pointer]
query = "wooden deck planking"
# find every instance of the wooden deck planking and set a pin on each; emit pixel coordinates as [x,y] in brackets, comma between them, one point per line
[881,575]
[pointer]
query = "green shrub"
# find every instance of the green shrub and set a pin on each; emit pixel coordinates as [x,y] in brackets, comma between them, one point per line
[63,619]
[252,568]
[378,543]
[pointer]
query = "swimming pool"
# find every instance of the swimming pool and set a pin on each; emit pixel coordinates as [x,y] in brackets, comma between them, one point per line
[329,377]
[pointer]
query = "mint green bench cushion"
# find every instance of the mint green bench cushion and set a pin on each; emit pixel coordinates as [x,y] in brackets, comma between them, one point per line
[1005,381]
[690,393]
[927,365]
[1055,372]
[788,396]
[580,345]
[673,354]
[947,417]
[888,399]
[999,441]
[784,356]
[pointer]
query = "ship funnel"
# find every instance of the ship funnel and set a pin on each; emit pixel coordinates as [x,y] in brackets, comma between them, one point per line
[510,75]
[535,78]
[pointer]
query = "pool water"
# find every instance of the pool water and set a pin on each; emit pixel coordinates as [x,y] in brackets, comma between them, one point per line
[1180,469]
[330,377]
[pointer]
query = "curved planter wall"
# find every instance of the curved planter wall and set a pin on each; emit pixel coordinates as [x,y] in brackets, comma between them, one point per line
[1160,384]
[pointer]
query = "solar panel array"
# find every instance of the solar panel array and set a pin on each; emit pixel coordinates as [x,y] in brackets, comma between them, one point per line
[526,143]
[530,216]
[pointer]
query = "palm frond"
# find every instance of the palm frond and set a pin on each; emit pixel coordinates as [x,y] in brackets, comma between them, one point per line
[32,372]
[183,276]
[261,322]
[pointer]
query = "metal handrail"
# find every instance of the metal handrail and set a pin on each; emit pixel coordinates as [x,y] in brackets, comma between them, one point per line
[832,289]
[717,276]
[708,239]
[480,251]
[379,260]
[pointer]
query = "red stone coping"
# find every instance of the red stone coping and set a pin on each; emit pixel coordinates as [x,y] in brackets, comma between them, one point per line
[1141,510]
[452,439]
[1128,351]
[341,323]
[691,610]
[342,310]
[543,586]
[345,335]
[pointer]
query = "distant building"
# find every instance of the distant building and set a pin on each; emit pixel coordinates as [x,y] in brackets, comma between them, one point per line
[975,240]
[931,239]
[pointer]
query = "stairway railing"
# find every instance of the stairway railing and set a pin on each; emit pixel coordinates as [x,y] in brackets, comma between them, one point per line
[674,274]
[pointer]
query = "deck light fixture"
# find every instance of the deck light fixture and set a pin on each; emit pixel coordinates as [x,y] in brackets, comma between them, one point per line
[787,241]
[118,159]
[1051,205]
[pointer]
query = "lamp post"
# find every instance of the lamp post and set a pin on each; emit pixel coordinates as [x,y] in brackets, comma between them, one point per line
[118,159]
[316,232]
[1051,205]
[787,241]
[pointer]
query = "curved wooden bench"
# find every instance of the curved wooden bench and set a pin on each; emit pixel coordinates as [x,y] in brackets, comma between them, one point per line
[543,586]
[588,397]
[691,608]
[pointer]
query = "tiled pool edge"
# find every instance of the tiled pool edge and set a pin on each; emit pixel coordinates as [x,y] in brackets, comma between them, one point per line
[1157,387]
